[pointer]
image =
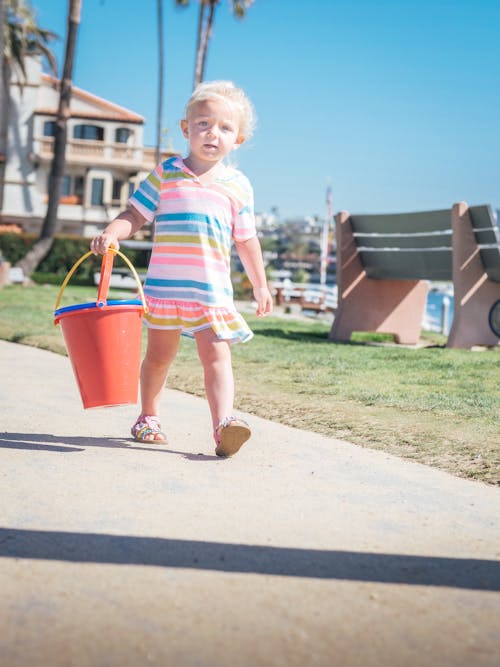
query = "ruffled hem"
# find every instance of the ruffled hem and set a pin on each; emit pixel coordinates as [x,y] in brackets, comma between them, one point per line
[226,323]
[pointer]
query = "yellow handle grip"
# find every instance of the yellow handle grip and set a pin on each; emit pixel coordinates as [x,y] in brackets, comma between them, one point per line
[84,257]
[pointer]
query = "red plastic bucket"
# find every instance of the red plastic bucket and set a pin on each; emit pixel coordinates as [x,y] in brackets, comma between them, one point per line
[103,341]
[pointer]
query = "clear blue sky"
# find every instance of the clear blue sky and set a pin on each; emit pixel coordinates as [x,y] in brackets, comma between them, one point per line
[394,103]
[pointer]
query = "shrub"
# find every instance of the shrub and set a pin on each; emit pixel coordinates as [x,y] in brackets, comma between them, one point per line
[14,246]
[242,287]
[65,251]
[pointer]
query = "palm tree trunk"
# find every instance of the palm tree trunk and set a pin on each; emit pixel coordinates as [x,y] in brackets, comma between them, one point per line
[205,26]
[43,245]
[208,35]
[58,162]
[4,104]
[160,81]
[200,44]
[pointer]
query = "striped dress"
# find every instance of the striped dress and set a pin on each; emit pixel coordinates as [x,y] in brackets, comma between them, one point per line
[188,284]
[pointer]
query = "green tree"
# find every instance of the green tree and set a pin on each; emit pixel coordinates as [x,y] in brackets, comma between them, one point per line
[20,38]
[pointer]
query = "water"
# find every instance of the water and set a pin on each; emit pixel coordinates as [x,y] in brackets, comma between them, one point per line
[433,317]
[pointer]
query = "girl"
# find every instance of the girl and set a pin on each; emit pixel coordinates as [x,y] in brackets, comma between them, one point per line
[199,206]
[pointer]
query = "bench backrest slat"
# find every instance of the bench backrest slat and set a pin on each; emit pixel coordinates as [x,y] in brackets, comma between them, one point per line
[419,240]
[491,262]
[394,223]
[407,264]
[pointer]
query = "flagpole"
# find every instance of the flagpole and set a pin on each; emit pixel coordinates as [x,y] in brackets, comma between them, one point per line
[324,240]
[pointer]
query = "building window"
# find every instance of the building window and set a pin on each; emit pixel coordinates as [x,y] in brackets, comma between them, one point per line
[97,192]
[117,192]
[88,132]
[72,190]
[78,187]
[49,128]
[66,186]
[122,135]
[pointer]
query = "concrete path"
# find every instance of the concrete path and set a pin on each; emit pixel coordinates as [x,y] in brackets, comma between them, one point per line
[300,551]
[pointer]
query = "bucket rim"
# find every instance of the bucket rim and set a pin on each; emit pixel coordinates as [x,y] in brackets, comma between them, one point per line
[93,304]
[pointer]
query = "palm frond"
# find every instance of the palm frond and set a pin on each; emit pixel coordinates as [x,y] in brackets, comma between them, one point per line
[23,37]
[240,7]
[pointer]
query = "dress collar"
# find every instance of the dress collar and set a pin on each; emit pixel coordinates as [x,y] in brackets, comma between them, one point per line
[223,174]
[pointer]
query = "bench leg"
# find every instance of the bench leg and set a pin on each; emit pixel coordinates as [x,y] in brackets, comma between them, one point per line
[474,293]
[364,304]
[386,306]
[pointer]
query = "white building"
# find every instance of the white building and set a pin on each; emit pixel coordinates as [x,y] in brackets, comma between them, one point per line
[105,156]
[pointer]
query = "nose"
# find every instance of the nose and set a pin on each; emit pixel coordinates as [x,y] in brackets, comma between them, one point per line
[212,131]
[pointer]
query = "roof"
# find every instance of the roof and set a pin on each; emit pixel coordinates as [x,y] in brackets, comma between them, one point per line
[104,110]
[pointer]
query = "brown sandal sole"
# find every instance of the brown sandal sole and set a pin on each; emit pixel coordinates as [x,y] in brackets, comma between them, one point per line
[232,437]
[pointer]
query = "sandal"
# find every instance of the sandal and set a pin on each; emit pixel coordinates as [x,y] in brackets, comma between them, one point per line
[147,429]
[230,434]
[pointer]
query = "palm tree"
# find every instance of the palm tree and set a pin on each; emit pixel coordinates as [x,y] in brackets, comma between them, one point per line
[205,24]
[159,113]
[20,37]
[29,263]
[3,110]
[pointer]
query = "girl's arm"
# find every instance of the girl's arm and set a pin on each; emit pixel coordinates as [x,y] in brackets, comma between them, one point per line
[122,227]
[250,254]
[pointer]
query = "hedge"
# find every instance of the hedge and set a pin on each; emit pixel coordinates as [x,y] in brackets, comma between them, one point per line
[65,251]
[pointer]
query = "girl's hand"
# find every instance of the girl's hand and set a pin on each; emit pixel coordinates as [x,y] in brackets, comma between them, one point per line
[264,301]
[100,244]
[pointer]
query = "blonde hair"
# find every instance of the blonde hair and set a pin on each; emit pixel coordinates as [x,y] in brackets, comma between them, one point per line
[226,91]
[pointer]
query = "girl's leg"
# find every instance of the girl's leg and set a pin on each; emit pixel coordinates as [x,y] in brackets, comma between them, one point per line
[215,356]
[161,351]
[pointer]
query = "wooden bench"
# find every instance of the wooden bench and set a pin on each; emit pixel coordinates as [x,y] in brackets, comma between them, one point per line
[309,296]
[384,263]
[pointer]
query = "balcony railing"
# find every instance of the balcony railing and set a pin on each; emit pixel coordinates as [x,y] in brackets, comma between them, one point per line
[100,153]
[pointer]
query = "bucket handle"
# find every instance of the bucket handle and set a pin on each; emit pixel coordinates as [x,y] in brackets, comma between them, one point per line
[106,267]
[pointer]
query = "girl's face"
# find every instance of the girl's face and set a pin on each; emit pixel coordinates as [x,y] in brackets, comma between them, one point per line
[212,128]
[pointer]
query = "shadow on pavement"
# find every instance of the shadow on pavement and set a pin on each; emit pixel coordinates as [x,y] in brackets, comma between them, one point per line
[66,444]
[466,573]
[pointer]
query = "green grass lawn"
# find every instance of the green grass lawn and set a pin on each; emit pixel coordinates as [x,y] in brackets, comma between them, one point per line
[433,405]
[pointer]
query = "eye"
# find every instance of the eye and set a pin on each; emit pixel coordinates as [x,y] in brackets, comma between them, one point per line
[202,123]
